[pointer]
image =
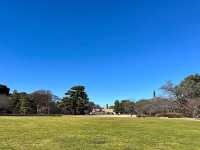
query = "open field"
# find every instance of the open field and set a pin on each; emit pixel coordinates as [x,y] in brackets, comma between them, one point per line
[91,133]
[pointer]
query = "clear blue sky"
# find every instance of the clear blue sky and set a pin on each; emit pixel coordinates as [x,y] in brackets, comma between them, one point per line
[117,48]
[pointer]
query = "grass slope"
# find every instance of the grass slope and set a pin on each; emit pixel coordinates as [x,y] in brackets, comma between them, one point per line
[85,133]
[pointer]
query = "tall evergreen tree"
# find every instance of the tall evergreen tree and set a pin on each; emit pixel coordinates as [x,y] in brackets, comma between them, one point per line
[76,101]
[15,102]
[25,105]
[117,106]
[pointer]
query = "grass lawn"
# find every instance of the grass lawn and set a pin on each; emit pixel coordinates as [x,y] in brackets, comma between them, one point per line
[90,133]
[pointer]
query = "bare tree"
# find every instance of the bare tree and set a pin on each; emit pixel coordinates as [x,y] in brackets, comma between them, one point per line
[42,98]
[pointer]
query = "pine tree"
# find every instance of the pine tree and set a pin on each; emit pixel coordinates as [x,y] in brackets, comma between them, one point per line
[76,101]
[25,105]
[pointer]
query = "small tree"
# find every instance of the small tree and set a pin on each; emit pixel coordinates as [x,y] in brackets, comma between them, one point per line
[117,106]
[124,107]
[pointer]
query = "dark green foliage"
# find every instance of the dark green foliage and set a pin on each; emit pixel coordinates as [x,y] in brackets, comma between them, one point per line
[4,99]
[152,107]
[25,104]
[21,103]
[117,106]
[4,90]
[154,94]
[76,102]
[124,107]
[15,102]
[189,88]
[66,105]
[183,98]
[40,102]
[186,94]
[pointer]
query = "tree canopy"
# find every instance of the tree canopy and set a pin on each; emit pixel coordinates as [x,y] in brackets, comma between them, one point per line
[76,101]
[4,90]
[181,98]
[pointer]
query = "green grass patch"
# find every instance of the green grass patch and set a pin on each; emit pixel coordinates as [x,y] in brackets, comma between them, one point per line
[90,133]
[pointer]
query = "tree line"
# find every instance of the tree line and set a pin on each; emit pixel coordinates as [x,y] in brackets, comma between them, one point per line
[178,100]
[75,102]
[182,99]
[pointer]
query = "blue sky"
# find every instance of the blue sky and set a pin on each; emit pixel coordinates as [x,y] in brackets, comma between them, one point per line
[118,49]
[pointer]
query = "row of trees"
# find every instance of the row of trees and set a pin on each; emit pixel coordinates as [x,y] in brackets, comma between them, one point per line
[183,99]
[75,102]
[150,107]
[124,107]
